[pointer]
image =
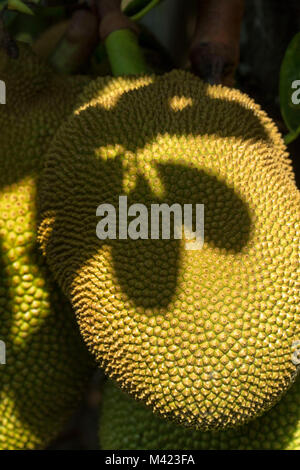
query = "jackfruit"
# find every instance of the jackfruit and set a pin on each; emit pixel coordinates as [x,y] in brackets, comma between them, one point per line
[206,337]
[128,425]
[47,364]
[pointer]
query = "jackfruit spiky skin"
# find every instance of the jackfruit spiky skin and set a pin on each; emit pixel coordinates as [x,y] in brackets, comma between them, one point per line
[47,366]
[204,337]
[128,425]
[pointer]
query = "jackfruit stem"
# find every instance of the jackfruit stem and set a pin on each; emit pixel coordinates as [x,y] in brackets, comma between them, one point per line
[120,36]
[124,53]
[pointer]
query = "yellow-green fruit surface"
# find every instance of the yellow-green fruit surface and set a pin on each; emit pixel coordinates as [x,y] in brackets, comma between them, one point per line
[128,425]
[47,365]
[206,337]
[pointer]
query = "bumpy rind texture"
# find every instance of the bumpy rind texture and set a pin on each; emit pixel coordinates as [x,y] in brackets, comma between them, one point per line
[47,365]
[206,337]
[128,425]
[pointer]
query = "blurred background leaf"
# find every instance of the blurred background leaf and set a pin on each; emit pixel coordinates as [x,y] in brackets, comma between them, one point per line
[19,6]
[136,9]
[289,73]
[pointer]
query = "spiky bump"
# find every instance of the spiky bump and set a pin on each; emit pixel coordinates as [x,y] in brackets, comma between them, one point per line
[204,337]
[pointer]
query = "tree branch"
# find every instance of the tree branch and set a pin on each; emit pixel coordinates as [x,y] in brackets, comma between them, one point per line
[77,44]
[215,48]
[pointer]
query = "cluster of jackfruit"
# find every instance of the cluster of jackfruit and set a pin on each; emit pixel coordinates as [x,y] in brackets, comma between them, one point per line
[47,366]
[207,338]
[204,337]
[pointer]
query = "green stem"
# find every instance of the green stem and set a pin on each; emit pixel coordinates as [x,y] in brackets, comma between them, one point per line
[124,53]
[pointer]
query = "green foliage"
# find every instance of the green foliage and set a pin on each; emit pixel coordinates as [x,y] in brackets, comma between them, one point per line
[18,5]
[289,74]
[136,9]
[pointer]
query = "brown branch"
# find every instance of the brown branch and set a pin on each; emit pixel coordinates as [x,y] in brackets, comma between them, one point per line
[106,7]
[112,18]
[77,44]
[214,51]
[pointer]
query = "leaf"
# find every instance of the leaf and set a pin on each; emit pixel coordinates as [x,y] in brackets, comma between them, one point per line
[291,136]
[289,88]
[136,9]
[18,5]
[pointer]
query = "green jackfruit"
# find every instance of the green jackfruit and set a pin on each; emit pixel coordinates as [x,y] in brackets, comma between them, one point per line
[47,366]
[128,425]
[206,337]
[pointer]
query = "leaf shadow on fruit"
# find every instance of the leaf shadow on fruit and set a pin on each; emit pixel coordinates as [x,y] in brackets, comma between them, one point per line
[159,260]
[96,181]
